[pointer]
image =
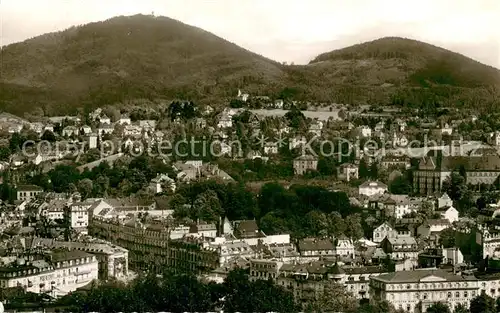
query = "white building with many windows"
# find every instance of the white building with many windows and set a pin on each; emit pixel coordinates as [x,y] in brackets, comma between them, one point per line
[415,291]
[56,273]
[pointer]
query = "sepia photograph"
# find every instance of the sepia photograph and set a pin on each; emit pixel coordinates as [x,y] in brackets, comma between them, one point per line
[330,156]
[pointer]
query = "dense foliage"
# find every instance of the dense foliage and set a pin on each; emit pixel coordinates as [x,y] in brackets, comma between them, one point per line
[167,59]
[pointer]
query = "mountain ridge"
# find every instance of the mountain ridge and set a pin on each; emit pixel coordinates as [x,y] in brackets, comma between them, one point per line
[142,56]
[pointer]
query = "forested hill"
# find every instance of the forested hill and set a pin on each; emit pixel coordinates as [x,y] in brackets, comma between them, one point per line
[157,57]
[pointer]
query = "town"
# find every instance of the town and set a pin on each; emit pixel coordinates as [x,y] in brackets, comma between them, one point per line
[340,207]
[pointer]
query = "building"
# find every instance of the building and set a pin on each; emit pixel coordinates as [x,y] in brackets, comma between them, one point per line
[432,226]
[124,120]
[348,171]
[415,291]
[305,163]
[344,247]
[57,272]
[204,229]
[315,248]
[270,148]
[371,188]
[150,249]
[395,162]
[92,141]
[435,168]
[27,192]
[401,248]
[384,230]
[112,260]
[444,201]
[78,214]
[449,213]
[69,131]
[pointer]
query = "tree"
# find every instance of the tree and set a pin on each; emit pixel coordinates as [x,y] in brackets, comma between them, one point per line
[455,186]
[243,295]
[363,170]
[482,304]
[426,210]
[374,170]
[317,223]
[438,308]
[447,238]
[336,225]
[208,207]
[400,186]
[48,136]
[326,166]
[460,308]
[334,298]
[295,117]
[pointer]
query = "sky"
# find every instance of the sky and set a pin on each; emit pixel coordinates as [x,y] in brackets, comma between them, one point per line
[284,30]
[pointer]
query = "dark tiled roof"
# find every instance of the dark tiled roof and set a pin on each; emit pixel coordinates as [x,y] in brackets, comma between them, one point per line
[311,244]
[416,276]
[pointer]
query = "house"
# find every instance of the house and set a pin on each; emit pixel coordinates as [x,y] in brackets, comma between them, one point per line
[315,248]
[305,163]
[226,119]
[120,207]
[92,141]
[399,125]
[243,96]
[69,270]
[37,127]
[444,201]
[270,148]
[446,129]
[402,206]
[200,122]
[27,192]
[93,116]
[379,127]
[344,247]
[132,131]
[316,127]
[399,140]
[148,125]
[297,142]
[204,229]
[49,127]
[400,248]
[449,213]
[364,131]
[348,171]
[371,188]
[86,129]
[432,226]
[207,110]
[494,138]
[104,119]
[78,213]
[124,120]
[395,162]
[105,129]
[69,131]
[278,104]
[453,256]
